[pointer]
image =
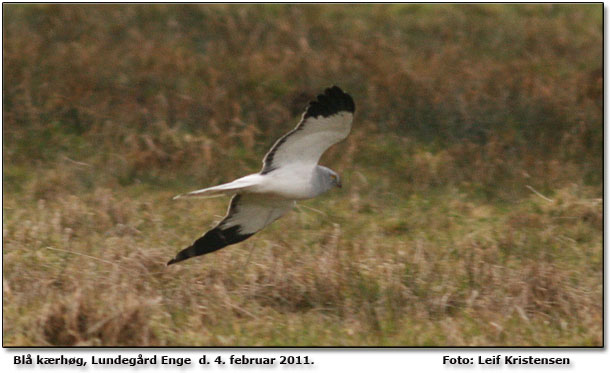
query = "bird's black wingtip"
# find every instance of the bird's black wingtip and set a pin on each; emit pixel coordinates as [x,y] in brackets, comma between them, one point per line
[214,239]
[332,101]
[183,255]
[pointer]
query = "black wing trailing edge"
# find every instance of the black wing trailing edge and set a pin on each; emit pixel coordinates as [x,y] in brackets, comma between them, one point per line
[332,101]
[215,239]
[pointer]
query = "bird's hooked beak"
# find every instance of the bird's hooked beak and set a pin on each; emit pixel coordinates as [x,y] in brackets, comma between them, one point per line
[335,180]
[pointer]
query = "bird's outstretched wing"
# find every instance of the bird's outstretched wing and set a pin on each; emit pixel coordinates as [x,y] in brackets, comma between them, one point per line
[326,121]
[247,215]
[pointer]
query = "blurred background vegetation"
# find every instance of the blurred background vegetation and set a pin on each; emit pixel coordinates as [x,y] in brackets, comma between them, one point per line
[477,151]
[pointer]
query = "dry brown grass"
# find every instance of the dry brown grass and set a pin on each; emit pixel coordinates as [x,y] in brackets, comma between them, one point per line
[90,270]
[436,238]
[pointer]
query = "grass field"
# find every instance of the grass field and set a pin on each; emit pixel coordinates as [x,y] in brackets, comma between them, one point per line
[471,211]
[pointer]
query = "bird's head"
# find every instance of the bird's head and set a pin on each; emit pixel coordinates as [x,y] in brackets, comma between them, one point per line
[335,179]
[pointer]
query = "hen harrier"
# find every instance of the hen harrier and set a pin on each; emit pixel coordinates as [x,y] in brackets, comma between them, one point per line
[290,172]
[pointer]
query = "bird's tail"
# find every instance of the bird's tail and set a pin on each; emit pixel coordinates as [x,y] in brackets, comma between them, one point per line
[222,189]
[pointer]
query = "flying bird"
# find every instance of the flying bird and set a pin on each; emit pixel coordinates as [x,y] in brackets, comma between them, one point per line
[290,172]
